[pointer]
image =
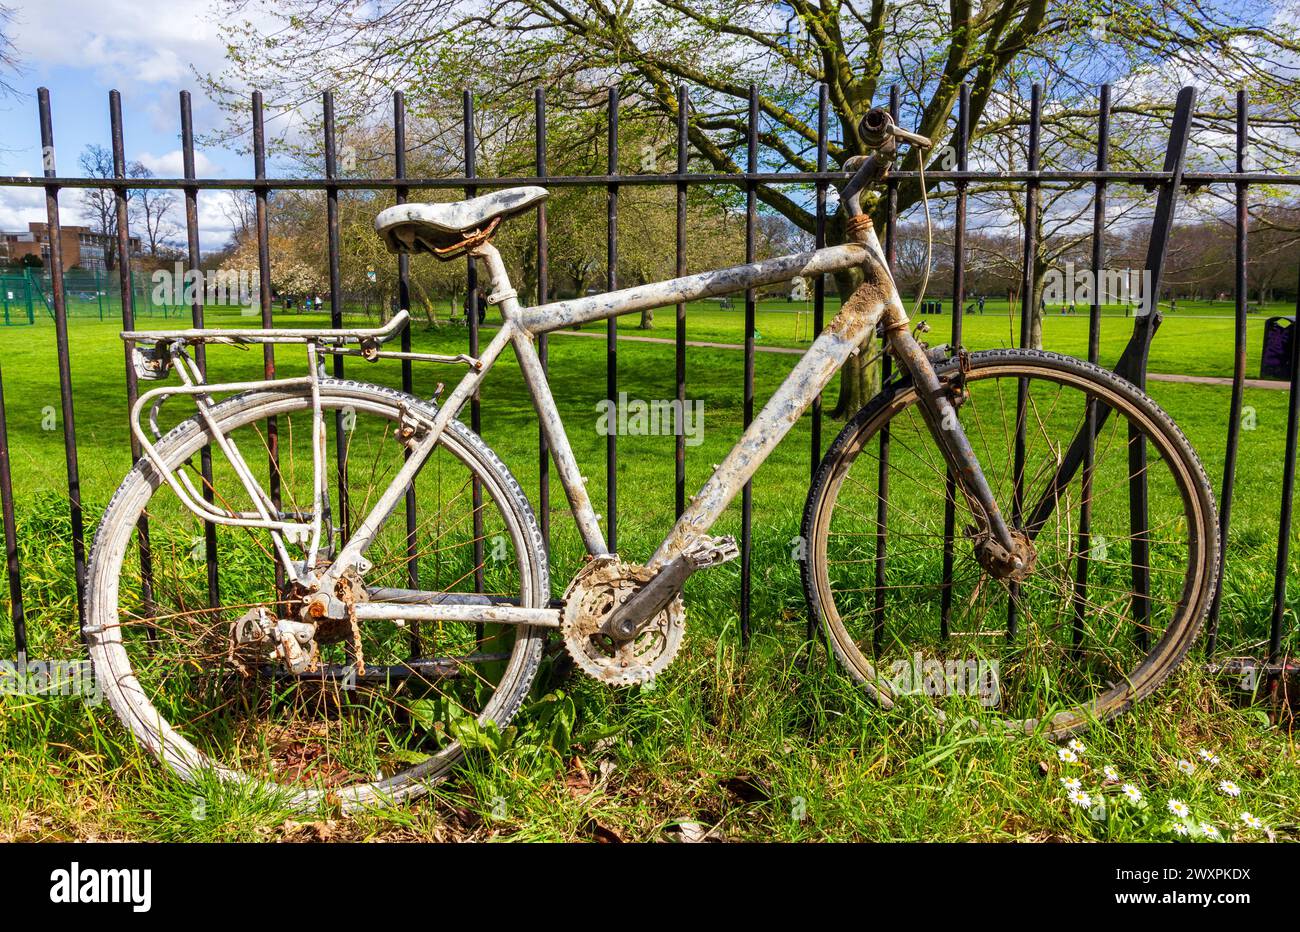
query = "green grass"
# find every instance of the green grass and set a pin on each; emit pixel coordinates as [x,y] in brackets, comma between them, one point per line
[769,744]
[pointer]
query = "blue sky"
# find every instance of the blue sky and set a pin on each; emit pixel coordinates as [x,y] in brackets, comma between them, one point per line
[81,49]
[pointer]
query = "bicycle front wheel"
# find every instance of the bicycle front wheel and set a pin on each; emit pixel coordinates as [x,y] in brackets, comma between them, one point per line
[384,712]
[1114,600]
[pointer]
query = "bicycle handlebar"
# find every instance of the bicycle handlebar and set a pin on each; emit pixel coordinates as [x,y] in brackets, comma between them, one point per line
[879,131]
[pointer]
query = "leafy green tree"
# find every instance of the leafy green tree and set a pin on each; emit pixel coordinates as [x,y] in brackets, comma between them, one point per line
[719,48]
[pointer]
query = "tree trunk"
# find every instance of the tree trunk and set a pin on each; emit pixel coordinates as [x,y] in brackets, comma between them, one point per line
[1037,310]
[647,320]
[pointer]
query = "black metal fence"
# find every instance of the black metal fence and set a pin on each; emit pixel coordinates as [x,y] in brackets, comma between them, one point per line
[1169,181]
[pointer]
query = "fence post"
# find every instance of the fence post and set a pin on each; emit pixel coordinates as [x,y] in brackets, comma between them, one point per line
[611,325]
[471,311]
[408,373]
[882,465]
[543,340]
[55,231]
[1241,298]
[1028,281]
[1079,593]
[962,135]
[751,308]
[200,351]
[679,334]
[264,298]
[11,534]
[1284,519]
[128,323]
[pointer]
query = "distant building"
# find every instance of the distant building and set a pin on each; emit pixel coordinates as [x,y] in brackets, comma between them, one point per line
[82,247]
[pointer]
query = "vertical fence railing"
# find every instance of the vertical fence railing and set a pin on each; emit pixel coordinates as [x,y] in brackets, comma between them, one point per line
[879,567]
[262,222]
[13,567]
[333,244]
[1028,280]
[961,135]
[401,194]
[1241,220]
[472,312]
[194,267]
[58,297]
[1169,180]
[1079,598]
[543,295]
[611,325]
[819,299]
[679,318]
[127,290]
[751,322]
[1284,518]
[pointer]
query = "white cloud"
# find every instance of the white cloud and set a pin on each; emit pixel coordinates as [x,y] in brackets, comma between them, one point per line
[19,206]
[172,164]
[129,40]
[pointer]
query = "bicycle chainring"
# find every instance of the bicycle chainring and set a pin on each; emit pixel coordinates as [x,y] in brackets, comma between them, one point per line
[592,595]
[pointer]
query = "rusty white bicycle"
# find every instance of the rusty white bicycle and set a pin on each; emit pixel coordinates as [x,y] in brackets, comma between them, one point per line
[344,654]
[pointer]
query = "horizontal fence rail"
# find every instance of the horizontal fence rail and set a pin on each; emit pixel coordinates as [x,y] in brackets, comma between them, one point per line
[1169,181]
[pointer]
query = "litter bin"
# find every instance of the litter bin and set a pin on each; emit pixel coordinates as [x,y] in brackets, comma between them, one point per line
[1278,351]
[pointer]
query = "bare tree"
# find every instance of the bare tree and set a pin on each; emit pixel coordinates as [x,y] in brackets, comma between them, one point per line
[152,213]
[240,209]
[100,204]
[10,63]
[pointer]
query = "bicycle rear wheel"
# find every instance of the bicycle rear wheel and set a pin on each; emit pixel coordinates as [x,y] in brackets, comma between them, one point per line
[368,726]
[912,614]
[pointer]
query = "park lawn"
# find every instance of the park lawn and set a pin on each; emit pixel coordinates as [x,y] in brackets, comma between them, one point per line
[767,743]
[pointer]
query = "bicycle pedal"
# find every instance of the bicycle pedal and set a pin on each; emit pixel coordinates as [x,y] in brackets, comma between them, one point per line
[707,552]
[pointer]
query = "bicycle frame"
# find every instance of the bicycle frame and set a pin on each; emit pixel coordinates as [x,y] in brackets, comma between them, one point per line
[876,302]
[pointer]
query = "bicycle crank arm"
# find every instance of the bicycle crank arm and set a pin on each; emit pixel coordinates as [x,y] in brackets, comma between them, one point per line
[627,620]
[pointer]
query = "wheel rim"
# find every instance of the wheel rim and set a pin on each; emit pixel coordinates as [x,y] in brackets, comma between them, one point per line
[1065,665]
[168,667]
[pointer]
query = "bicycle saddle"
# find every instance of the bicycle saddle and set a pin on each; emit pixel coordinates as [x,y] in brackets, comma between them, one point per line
[448,230]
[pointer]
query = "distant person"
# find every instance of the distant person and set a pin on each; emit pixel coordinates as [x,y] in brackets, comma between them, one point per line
[981,304]
[319,302]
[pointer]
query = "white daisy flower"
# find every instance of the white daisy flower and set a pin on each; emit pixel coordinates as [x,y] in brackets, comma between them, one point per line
[1080,798]
[1067,756]
[1187,767]
[1076,746]
[1180,828]
[1209,831]
[1208,756]
[1071,783]
[1229,788]
[1111,774]
[1179,808]
[1251,821]
[1132,792]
